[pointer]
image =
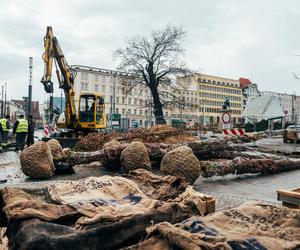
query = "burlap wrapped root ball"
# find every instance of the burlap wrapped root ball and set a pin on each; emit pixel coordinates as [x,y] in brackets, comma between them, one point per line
[66,152]
[112,162]
[37,161]
[135,156]
[181,162]
[56,149]
[111,144]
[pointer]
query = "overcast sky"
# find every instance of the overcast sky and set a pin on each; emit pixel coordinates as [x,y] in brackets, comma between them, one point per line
[232,38]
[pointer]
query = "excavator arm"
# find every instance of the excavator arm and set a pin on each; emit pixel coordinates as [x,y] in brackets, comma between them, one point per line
[65,75]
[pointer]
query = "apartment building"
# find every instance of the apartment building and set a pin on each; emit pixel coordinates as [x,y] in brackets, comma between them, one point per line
[198,98]
[121,93]
[212,90]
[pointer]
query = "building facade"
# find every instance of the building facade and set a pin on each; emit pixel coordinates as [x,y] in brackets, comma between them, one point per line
[250,92]
[35,112]
[212,90]
[59,103]
[289,103]
[196,99]
[122,94]
[14,109]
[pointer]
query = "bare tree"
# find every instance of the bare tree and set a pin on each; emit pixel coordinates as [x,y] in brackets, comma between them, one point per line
[154,59]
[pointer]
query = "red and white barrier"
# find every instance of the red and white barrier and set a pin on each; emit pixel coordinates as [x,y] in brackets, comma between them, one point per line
[234,132]
[46,130]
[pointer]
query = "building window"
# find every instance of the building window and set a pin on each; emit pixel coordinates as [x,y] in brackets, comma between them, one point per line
[96,87]
[141,102]
[141,112]
[86,86]
[117,110]
[103,88]
[103,78]
[135,101]
[123,100]
[111,80]
[123,111]
[96,77]
[111,90]
[118,99]
[129,111]
[146,112]
[134,111]
[82,86]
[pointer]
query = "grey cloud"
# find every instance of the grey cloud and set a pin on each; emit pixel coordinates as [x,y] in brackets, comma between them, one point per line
[233,38]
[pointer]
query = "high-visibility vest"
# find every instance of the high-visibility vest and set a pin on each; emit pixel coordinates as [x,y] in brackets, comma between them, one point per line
[22,126]
[3,122]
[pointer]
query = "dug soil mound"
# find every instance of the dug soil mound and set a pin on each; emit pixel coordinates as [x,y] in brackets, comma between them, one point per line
[159,129]
[91,142]
[156,134]
[37,161]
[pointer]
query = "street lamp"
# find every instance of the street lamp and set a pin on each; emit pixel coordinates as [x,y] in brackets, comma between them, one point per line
[30,86]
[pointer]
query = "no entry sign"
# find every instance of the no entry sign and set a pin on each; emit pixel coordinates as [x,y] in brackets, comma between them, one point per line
[226,118]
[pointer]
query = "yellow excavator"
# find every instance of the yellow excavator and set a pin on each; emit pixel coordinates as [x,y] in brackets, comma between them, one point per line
[90,112]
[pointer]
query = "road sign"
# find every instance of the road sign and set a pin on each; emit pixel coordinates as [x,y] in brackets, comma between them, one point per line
[226,118]
[226,126]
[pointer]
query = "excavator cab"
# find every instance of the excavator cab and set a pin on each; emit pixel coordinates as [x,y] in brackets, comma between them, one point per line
[91,113]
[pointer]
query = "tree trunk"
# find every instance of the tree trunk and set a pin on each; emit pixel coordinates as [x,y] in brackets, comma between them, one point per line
[156,151]
[158,108]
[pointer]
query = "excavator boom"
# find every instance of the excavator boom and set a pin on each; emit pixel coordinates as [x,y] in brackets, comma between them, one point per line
[65,75]
[90,105]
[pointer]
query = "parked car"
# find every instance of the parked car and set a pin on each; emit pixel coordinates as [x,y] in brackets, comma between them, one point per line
[291,133]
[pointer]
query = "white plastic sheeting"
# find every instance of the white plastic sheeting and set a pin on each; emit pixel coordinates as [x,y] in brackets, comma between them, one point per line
[263,107]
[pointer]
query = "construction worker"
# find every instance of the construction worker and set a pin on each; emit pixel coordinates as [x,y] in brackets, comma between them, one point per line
[21,130]
[30,134]
[4,128]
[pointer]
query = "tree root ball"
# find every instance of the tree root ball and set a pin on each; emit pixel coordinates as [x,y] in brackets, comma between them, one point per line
[56,149]
[66,152]
[37,161]
[112,162]
[135,156]
[181,162]
[111,144]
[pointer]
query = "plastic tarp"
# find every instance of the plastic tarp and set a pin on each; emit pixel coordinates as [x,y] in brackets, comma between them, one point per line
[263,107]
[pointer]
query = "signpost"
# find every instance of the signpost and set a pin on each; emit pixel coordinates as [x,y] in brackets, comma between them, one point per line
[226,119]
